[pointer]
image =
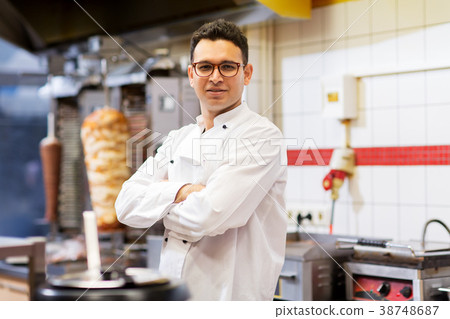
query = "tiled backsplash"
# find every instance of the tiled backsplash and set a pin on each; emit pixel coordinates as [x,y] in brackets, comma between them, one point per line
[395,110]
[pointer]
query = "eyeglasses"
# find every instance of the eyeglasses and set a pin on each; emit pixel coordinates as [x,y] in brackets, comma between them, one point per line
[226,69]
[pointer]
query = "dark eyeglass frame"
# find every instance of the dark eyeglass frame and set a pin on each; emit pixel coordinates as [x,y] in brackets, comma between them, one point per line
[238,65]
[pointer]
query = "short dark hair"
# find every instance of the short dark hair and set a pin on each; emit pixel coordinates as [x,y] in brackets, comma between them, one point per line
[221,30]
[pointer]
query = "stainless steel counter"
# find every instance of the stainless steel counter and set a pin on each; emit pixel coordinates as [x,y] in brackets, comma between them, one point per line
[23,278]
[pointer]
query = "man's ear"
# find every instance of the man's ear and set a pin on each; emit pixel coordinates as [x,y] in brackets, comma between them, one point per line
[191,75]
[248,71]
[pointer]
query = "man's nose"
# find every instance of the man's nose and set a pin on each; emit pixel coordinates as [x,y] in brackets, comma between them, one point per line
[216,76]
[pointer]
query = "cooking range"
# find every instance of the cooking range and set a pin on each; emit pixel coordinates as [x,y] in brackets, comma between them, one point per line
[384,270]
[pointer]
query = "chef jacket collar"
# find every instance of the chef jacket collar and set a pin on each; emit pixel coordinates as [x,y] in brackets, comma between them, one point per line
[224,118]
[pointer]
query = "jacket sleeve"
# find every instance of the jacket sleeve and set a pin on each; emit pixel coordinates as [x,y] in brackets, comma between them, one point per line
[146,197]
[233,191]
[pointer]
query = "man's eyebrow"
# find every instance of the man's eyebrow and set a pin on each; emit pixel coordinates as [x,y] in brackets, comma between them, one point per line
[224,61]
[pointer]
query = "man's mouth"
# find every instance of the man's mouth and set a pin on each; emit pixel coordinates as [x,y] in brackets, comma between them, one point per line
[215,90]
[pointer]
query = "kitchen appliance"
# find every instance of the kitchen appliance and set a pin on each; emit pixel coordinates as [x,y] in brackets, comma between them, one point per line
[96,284]
[311,269]
[384,270]
[136,284]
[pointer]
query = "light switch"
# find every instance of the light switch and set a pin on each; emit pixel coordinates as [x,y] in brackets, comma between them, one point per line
[339,97]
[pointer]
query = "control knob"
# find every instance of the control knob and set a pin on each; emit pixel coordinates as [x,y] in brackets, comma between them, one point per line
[384,289]
[406,292]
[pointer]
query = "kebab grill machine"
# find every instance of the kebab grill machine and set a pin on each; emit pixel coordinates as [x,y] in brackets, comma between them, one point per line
[97,109]
[390,271]
[108,100]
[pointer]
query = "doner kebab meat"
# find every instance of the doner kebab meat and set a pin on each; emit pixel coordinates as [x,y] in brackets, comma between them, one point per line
[104,134]
[50,150]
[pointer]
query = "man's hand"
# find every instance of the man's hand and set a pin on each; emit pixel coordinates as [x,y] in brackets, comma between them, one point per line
[184,191]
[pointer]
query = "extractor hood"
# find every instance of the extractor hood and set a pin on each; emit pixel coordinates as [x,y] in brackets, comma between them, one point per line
[41,25]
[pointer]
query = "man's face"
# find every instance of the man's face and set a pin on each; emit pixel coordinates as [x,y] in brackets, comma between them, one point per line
[219,94]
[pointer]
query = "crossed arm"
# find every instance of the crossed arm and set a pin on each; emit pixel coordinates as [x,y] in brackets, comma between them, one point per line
[186,190]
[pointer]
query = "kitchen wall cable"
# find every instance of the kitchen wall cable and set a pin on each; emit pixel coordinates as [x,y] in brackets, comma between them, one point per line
[430,222]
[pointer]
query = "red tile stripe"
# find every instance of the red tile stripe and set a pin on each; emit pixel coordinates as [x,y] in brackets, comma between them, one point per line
[371,156]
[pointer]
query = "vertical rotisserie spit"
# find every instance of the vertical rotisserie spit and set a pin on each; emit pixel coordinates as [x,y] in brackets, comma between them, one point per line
[104,134]
[50,150]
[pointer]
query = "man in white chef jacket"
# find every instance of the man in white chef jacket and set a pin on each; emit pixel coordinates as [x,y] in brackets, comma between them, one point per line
[218,184]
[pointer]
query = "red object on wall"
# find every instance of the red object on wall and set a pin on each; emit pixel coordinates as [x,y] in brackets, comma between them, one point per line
[371,156]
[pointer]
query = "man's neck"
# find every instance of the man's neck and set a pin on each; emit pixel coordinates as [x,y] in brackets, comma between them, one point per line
[208,116]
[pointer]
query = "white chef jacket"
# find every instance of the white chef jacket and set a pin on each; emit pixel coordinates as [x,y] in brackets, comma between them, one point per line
[227,241]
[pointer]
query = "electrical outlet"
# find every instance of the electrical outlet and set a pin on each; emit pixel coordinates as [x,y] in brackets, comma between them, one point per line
[320,216]
[313,217]
[290,216]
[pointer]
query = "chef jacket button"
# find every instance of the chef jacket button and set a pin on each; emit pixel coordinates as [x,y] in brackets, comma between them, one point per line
[184,241]
[224,126]
[166,239]
[171,161]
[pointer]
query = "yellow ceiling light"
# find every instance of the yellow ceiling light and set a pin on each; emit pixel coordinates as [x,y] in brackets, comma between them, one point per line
[290,8]
[297,8]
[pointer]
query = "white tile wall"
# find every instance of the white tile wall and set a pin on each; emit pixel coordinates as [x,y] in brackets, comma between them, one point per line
[358,18]
[335,23]
[437,11]
[341,219]
[293,184]
[411,51]
[416,219]
[384,91]
[311,97]
[253,56]
[293,127]
[312,62]
[288,62]
[412,186]
[362,129]
[437,48]
[386,221]
[438,128]
[411,89]
[364,94]
[437,87]
[362,220]
[311,30]
[387,176]
[358,54]
[287,32]
[334,133]
[361,185]
[437,178]
[410,13]
[384,13]
[385,127]
[384,50]
[313,127]
[412,126]
[311,184]
[291,96]
[253,96]
[335,58]
[393,110]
